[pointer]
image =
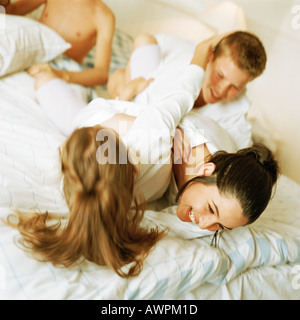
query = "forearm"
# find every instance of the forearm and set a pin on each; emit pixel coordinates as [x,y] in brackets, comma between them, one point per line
[204,48]
[133,88]
[185,171]
[198,157]
[21,7]
[15,8]
[128,93]
[88,77]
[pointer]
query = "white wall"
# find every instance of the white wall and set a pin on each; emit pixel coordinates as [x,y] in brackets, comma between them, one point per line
[275,110]
[275,95]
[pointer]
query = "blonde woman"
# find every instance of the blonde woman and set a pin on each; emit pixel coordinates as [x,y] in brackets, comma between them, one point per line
[104,224]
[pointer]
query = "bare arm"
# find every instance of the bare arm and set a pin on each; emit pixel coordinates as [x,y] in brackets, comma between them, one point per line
[105,25]
[22,7]
[133,88]
[203,50]
[186,170]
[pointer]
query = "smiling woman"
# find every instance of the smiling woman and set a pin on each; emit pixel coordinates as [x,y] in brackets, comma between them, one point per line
[232,190]
[211,210]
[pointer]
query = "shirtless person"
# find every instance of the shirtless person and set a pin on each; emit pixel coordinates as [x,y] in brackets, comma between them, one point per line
[83,24]
[230,61]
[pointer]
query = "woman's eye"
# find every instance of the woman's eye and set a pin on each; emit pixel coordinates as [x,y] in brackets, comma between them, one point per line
[210,209]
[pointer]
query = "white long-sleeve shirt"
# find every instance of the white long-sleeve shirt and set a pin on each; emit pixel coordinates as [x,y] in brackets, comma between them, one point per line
[149,140]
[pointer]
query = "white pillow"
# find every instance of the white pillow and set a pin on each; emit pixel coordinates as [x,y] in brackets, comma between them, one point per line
[222,17]
[25,42]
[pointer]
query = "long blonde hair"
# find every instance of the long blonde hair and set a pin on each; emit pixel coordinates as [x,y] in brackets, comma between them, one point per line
[102,226]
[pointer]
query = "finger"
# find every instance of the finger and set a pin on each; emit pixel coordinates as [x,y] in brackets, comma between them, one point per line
[187,149]
[178,147]
[33,70]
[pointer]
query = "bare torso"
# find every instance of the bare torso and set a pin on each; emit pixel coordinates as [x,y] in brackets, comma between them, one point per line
[76,21]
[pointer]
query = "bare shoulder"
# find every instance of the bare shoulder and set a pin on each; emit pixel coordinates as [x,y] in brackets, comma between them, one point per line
[104,20]
[103,12]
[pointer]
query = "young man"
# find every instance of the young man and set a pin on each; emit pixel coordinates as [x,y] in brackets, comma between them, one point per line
[230,61]
[82,23]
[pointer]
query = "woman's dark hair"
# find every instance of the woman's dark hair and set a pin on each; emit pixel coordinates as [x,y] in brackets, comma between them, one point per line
[248,175]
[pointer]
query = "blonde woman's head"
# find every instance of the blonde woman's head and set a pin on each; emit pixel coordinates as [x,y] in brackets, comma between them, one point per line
[104,224]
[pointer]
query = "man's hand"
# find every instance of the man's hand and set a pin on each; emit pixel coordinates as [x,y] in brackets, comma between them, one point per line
[205,48]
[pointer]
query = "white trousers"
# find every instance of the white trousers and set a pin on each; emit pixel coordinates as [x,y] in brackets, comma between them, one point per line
[61,104]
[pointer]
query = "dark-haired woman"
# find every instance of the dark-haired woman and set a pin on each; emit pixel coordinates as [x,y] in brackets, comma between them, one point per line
[229,190]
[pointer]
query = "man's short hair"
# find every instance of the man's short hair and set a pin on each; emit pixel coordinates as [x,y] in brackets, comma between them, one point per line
[246,50]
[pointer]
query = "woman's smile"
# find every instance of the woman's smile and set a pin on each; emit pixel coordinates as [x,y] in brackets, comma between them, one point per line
[203,205]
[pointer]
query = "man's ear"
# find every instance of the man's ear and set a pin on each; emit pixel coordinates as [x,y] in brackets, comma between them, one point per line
[207,169]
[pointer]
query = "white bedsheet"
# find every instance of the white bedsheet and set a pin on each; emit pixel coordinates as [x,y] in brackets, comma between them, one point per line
[252,262]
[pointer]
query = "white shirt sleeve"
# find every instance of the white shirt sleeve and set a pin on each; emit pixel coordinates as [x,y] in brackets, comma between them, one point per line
[179,100]
[201,129]
[160,120]
[167,112]
[149,140]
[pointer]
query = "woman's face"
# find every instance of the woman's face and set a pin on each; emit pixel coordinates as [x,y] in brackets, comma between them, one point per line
[202,204]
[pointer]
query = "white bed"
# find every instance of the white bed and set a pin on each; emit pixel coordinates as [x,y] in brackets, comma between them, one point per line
[261,261]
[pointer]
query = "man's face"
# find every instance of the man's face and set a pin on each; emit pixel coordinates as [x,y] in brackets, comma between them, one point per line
[224,80]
